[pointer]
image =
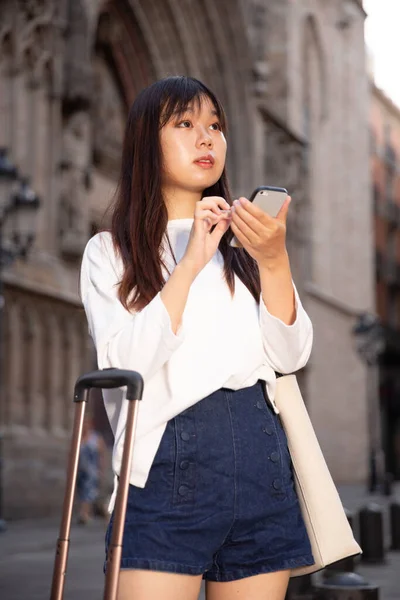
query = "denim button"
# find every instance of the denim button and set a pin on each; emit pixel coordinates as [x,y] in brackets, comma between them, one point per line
[260,404]
[267,430]
[274,456]
[185,436]
[184,464]
[277,484]
[183,490]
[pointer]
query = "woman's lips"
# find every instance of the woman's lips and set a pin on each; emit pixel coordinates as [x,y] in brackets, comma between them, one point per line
[204,164]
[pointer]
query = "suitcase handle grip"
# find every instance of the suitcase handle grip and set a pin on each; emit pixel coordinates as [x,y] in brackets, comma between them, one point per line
[108,379]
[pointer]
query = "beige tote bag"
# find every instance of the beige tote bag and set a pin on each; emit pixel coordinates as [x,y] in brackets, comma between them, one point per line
[329,531]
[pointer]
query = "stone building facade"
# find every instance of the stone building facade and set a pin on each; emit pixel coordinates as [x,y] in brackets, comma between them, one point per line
[293,80]
[385,166]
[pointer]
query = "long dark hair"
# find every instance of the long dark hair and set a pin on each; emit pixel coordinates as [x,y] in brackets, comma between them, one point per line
[139,215]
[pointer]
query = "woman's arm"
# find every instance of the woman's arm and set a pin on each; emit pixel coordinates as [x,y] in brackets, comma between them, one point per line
[141,341]
[175,293]
[145,340]
[285,326]
[277,290]
[287,341]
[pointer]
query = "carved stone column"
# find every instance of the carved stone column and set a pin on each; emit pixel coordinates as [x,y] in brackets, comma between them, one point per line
[13,392]
[72,367]
[37,400]
[54,395]
[257,14]
[108,120]
[73,215]
[5,82]
[73,225]
[26,360]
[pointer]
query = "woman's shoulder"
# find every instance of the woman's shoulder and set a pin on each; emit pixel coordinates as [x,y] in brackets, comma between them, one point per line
[101,245]
[100,250]
[100,242]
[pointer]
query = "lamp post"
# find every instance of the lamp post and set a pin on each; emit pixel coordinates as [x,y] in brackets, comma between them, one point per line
[370,344]
[18,207]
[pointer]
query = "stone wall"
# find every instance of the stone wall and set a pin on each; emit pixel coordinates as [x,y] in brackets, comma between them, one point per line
[292,78]
[46,349]
[328,105]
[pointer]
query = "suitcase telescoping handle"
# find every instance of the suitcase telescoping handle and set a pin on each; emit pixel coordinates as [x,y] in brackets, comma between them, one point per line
[104,379]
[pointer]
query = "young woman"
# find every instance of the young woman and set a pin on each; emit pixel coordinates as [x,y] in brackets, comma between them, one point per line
[207,326]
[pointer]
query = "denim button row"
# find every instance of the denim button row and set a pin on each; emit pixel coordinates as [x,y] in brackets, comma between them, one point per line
[185,475]
[274,456]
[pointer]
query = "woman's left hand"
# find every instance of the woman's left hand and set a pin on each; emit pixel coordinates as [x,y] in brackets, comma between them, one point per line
[263,236]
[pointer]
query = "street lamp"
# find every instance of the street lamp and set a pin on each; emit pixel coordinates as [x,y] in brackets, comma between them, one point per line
[370,344]
[18,207]
[370,341]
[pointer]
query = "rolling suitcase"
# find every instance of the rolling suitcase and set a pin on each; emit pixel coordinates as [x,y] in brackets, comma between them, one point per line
[105,378]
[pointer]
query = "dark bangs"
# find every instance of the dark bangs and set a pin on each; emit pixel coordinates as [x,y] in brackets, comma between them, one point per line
[180,93]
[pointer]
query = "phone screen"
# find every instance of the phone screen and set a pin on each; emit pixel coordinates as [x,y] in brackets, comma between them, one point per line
[269,199]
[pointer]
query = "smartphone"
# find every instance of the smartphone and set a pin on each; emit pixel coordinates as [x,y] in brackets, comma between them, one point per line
[269,199]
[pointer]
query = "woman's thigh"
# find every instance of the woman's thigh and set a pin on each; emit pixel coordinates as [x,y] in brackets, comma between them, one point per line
[135,584]
[268,586]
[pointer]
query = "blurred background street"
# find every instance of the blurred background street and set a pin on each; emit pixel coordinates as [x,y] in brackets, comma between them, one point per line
[312,94]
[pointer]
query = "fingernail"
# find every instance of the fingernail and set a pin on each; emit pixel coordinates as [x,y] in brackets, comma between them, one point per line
[243,201]
[236,203]
[233,209]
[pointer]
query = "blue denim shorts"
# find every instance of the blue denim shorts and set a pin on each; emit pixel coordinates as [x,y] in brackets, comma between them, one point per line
[220,499]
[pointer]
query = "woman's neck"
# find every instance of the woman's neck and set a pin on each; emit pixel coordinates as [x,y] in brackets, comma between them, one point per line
[180,203]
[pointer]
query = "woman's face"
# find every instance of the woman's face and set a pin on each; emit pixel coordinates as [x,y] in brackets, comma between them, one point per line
[193,148]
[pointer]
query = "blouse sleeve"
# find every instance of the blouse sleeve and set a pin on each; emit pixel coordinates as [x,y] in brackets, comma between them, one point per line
[287,347]
[142,341]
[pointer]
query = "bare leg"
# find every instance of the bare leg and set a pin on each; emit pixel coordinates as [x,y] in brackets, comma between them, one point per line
[269,586]
[135,584]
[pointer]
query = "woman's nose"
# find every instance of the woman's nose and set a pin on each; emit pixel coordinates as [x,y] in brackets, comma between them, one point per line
[205,139]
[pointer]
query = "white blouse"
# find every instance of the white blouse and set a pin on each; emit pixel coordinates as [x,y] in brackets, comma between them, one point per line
[222,342]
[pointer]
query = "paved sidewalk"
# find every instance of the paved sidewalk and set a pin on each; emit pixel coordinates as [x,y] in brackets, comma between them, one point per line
[27,555]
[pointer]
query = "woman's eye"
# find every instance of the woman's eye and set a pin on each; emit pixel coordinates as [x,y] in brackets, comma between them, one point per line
[185,124]
[216,126]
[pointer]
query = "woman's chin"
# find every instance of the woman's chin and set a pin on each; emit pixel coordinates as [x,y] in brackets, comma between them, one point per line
[202,183]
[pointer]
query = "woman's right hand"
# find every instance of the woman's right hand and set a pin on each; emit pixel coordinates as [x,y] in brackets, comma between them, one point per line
[203,243]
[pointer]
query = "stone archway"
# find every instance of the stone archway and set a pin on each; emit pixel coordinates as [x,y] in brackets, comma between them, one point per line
[121,67]
[140,41]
